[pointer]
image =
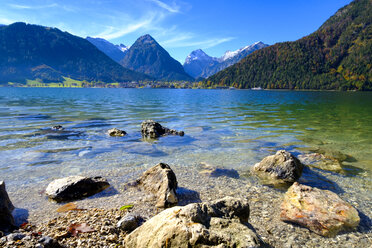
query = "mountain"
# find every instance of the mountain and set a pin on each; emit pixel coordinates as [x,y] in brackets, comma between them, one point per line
[338,56]
[147,56]
[199,64]
[115,52]
[48,54]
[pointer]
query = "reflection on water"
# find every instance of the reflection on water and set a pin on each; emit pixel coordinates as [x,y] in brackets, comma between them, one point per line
[226,128]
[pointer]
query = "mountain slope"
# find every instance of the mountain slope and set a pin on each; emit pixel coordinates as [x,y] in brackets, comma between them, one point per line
[147,56]
[337,56]
[199,64]
[43,53]
[115,52]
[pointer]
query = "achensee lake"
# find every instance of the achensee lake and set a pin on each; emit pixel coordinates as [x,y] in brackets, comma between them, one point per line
[224,128]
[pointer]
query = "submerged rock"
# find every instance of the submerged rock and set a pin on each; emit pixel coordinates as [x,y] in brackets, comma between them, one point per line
[212,171]
[198,225]
[333,154]
[320,161]
[114,132]
[75,187]
[161,181]
[58,128]
[282,166]
[6,208]
[321,211]
[152,130]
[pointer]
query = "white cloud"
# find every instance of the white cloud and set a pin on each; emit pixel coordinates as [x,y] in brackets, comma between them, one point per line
[172,9]
[115,32]
[18,6]
[6,21]
[189,40]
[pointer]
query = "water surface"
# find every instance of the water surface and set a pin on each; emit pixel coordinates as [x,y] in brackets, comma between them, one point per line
[230,128]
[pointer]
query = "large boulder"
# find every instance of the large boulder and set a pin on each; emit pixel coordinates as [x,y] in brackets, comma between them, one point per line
[320,161]
[161,181]
[75,187]
[282,167]
[6,208]
[321,211]
[152,130]
[218,223]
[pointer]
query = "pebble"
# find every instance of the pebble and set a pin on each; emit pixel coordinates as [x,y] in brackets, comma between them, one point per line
[15,236]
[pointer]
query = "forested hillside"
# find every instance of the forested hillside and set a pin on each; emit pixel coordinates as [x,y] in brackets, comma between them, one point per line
[338,56]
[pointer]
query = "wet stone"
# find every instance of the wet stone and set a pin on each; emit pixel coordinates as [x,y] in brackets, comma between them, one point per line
[114,132]
[75,187]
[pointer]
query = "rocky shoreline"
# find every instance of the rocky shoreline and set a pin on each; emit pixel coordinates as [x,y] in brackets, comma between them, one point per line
[214,207]
[264,216]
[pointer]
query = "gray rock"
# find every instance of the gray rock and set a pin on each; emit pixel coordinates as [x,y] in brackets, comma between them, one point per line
[129,222]
[75,187]
[152,130]
[229,207]
[15,236]
[48,242]
[281,167]
[161,181]
[114,132]
[6,208]
[198,225]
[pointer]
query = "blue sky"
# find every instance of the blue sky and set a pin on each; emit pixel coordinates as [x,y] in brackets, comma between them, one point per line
[179,26]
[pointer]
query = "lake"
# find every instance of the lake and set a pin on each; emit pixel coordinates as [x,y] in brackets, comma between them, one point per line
[227,128]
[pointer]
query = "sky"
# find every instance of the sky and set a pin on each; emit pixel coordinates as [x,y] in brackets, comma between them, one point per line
[180,26]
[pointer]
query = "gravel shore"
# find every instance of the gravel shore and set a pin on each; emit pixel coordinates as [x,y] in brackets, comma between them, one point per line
[102,211]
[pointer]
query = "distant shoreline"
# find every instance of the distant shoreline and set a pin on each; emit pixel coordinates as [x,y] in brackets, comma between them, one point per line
[173,88]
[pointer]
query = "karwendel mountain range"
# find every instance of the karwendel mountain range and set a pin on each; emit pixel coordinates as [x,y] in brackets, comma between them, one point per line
[335,57]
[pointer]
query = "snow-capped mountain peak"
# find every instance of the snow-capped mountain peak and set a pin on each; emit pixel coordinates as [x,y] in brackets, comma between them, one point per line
[230,54]
[197,55]
[199,64]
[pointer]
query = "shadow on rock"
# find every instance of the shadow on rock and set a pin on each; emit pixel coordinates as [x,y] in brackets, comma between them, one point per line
[187,196]
[311,177]
[365,225]
[110,191]
[20,216]
[351,171]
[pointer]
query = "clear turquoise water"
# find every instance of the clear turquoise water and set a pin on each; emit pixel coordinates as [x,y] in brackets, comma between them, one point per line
[231,128]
